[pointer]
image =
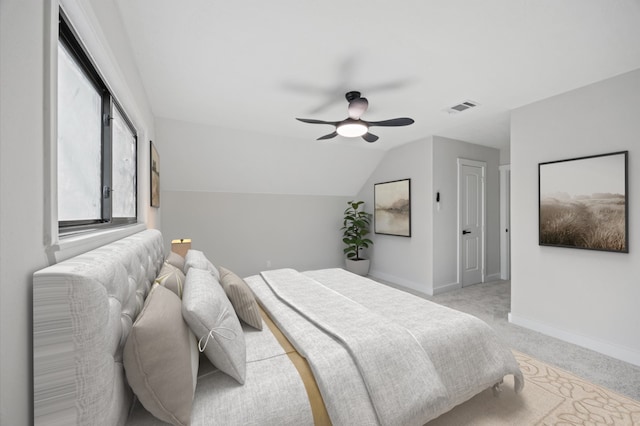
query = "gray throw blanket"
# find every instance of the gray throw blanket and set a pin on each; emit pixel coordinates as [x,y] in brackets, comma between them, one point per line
[402,382]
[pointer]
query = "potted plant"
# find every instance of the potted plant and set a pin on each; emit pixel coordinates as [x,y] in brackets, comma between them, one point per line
[356,227]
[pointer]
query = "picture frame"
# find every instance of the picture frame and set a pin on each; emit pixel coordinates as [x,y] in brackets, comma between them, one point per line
[583,203]
[155,175]
[392,208]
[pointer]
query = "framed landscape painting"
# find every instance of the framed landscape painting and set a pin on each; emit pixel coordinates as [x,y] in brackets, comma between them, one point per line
[155,176]
[392,211]
[583,203]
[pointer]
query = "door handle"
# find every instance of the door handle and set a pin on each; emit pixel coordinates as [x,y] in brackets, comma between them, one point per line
[465,232]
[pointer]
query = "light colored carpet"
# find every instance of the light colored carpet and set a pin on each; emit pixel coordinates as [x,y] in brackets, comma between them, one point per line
[551,396]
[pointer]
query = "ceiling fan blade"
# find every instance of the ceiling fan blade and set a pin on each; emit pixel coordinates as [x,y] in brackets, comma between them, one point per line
[313,121]
[369,137]
[404,121]
[329,136]
[357,107]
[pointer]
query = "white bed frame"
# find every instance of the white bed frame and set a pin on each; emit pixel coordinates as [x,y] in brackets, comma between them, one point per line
[83,310]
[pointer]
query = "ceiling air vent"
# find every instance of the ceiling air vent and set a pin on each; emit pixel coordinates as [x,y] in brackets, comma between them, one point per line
[463,106]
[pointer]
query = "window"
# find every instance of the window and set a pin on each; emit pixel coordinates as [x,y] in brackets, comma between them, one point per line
[97,144]
[123,167]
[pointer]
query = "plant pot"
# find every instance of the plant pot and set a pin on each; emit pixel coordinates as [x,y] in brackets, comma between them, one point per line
[360,267]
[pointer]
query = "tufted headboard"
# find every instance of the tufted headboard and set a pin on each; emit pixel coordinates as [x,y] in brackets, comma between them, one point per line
[83,310]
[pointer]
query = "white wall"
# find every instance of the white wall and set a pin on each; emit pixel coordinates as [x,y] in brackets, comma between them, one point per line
[427,262]
[196,157]
[244,202]
[505,156]
[21,201]
[587,297]
[402,260]
[445,221]
[245,231]
[25,113]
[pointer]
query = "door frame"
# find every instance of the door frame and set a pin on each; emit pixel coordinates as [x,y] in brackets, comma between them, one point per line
[483,244]
[505,222]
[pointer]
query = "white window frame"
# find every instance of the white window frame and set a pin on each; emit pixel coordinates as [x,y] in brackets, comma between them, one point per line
[60,247]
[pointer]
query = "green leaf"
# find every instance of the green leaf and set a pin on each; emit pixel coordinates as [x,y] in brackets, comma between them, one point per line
[355,227]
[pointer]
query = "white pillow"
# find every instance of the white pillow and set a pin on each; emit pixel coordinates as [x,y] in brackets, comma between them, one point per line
[211,317]
[197,259]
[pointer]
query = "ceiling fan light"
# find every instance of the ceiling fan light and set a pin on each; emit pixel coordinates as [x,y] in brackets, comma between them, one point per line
[352,129]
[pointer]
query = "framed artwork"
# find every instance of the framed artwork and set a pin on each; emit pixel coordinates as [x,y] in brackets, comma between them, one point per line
[392,211]
[155,176]
[583,203]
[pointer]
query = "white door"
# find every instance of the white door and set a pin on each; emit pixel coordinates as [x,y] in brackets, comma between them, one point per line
[471,193]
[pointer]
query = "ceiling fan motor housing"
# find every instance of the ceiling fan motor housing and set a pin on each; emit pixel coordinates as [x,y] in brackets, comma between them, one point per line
[352,95]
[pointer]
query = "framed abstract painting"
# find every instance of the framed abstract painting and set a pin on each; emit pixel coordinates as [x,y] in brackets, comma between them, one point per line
[392,207]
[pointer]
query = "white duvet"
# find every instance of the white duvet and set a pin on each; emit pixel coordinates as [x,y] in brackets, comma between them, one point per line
[379,355]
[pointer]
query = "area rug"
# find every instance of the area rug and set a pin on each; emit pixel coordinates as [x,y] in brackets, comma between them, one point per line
[551,396]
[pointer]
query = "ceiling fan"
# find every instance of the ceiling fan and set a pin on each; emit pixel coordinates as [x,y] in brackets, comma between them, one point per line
[353,126]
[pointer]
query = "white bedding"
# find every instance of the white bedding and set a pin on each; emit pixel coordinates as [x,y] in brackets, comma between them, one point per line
[465,352]
[401,380]
[84,308]
[272,394]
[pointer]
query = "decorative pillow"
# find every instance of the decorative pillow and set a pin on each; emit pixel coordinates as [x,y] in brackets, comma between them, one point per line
[161,358]
[176,260]
[241,297]
[172,278]
[197,259]
[211,317]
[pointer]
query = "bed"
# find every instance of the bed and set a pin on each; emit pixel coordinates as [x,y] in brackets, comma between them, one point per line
[333,347]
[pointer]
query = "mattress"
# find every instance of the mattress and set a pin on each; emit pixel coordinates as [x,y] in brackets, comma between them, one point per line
[467,355]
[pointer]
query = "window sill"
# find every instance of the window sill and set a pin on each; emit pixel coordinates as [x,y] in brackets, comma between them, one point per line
[78,243]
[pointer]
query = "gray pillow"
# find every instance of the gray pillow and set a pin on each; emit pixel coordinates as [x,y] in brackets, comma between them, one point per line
[211,317]
[197,259]
[172,278]
[241,297]
[176,260]
[161,358]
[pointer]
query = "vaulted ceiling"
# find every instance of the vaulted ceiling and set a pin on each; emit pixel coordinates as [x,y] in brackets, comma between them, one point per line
[256,65]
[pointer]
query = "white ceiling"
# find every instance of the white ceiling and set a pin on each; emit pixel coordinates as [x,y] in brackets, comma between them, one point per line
[256,65]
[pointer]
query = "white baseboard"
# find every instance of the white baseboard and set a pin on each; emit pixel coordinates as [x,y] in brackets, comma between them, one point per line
[492,277]
[615,351]
[446,287]
[419,287]
[443,288]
